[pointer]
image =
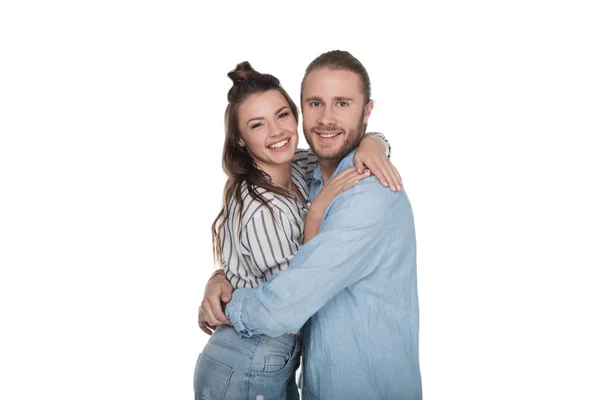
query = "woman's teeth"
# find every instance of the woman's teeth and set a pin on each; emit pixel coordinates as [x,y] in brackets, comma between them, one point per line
[279,144]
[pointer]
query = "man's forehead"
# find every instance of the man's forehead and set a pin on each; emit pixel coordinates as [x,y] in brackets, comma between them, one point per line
[332,75]
[329,82]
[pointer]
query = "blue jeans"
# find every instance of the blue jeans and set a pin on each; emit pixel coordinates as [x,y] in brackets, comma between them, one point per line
[235,367]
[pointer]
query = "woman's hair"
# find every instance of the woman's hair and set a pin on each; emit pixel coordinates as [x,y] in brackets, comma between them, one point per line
[237,161]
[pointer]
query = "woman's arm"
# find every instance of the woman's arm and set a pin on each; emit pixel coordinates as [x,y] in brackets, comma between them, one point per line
[373,153]
[336,185]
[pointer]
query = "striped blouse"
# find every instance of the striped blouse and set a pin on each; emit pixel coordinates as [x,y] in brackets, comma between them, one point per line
[264,243]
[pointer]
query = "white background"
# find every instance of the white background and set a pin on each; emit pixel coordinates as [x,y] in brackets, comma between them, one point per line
[111,122]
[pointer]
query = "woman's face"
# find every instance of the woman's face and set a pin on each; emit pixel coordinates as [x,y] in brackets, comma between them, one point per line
[268,127]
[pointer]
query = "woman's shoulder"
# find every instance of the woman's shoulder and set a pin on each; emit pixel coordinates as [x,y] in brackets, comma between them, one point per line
[304,155]
[250,205]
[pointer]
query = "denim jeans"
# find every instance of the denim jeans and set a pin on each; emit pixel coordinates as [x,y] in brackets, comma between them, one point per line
[236,367]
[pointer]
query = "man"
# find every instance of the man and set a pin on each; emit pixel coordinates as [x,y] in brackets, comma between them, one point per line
[355,280]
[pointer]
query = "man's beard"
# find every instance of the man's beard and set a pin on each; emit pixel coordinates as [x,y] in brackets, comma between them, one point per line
[351,138]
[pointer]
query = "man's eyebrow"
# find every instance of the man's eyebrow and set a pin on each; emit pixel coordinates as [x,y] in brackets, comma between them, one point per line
[337,98]
[313,98]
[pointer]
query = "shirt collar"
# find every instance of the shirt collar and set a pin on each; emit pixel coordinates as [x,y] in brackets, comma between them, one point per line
[346,162]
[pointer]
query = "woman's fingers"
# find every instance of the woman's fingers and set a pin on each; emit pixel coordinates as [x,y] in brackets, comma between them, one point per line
[396,178]
[351,179]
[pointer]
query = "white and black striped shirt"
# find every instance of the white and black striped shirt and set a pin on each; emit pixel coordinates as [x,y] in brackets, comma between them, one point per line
[262,243]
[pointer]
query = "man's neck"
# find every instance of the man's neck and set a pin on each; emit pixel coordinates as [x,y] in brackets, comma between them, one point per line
[328,167]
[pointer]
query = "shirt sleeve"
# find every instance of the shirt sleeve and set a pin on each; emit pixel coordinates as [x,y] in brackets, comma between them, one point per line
[388,151]
[349,246]
[304,162]
[269,241]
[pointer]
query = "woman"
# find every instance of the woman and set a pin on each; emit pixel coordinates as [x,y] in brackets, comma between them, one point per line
[258,230]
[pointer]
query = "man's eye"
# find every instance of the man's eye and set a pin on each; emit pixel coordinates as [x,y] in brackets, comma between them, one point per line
[342,103]
[315,104]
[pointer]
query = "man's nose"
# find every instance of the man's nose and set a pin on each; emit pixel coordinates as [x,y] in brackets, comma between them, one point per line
[327,116]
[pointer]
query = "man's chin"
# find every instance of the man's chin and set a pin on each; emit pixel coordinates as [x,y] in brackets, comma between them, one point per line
[329,155]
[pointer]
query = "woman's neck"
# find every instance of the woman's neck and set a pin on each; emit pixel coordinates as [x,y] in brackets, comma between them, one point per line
[280,174]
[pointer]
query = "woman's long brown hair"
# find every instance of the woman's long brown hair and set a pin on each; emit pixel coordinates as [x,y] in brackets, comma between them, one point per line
[237,161]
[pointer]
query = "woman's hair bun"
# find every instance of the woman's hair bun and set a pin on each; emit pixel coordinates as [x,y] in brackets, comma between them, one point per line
[242,72]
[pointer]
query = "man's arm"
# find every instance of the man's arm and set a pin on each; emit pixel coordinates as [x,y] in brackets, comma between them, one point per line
[349,247]
[216,294]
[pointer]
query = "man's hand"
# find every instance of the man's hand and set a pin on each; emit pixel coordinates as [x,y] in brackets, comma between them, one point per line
[208,329]
[216,294]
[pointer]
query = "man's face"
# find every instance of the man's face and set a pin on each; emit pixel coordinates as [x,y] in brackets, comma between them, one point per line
[334,113]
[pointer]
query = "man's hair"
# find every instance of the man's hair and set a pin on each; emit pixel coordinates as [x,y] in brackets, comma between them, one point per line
[340,60]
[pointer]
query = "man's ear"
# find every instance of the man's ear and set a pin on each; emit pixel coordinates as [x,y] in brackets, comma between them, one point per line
[368,109]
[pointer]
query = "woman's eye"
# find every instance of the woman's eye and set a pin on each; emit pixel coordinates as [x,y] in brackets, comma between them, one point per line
[284,114]
[256,125]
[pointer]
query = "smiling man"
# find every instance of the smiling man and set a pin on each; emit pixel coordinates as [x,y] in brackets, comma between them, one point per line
[355,283]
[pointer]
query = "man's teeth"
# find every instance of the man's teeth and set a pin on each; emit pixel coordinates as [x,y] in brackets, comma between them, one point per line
[327,135]
[279,144]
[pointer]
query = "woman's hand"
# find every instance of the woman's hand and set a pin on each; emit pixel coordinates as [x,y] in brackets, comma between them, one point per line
[343,181]
[371,154]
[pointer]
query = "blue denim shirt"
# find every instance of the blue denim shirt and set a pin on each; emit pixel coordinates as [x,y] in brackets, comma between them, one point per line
[357,282]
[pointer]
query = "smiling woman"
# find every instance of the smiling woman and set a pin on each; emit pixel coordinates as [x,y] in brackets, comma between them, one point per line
[271,137]
[261,194]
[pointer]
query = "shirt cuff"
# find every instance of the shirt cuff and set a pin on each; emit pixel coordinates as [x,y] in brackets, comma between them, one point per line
[388,147]
[233,310]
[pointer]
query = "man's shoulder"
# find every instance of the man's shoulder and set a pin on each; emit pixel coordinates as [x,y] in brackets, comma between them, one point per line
[366,200]
[372,187]
[370,197]
[347,161]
